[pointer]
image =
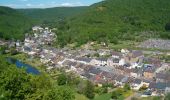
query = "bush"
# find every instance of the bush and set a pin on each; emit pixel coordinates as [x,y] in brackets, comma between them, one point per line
[167,27]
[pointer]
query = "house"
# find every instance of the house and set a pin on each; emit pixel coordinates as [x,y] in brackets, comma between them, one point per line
[26,49]
[113,62]
[136,84]
[147,93]
[83,60]
[134,73]
[154,62]
[122,62]
[149,74]
[146,82]
[125,51]
[148,71]
[135,58]
[120,80]
[94,71]
[162,77]
[11,44]
[18,43]
[159,88]
[116,55]
[37,29]
[167,90]
[99,61]
[164,67]
[103,52]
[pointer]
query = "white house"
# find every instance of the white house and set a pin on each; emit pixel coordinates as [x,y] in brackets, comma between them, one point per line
[122,62]
[99,62]
[136,84]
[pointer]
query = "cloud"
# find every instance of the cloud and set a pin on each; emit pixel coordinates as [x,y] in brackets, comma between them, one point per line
[66,4]
[71,4]
[29,5]
[23,0]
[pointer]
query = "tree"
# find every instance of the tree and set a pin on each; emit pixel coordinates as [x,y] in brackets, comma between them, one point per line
[89,90]
[62,79]
[114,95]
[126,87]
[167,97]
[167,27]
[17,84]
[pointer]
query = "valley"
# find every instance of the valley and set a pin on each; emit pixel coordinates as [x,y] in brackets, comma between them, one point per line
[110,50]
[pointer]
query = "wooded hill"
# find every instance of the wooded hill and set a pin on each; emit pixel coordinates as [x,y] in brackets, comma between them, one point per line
[118,20]
[13,24]
[52,15]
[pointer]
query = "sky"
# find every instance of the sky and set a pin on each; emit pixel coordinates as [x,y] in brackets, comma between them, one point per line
[45,3]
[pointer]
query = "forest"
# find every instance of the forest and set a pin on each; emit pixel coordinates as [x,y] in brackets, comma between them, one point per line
[13,24]
[112,21]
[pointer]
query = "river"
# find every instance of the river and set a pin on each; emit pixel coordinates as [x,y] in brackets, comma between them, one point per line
[29,69]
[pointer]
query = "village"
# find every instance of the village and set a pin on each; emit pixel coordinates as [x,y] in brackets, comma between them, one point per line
[100,66]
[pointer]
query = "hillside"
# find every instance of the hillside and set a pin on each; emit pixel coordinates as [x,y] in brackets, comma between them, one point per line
[12,23]
[118,20]
[52,15]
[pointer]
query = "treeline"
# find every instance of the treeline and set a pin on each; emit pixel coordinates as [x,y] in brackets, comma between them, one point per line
[13,24]
[117,20]
[50,16]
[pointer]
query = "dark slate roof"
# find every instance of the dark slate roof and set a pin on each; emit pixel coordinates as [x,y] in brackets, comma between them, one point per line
[125,79]
[163,76]
[119,78]
[115,60]
[27,48]
[161,86]
[94,70]
[84,59]
[152,85]
[137,81]
[136,53]
[114,53]
[87,75]
[114,77]
[102,59]
[147,93]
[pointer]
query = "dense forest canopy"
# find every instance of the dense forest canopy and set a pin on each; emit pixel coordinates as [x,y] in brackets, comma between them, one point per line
[13,24]
[114,20]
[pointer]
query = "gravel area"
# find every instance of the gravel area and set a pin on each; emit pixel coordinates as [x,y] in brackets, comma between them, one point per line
[156,43]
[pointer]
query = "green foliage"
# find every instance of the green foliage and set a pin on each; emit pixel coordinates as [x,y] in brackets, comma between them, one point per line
[51,16]
[114,95]
[2,49]
[16,84]
[165,35]
[13,24]
[89,90]
[167,97]
[68,79]
[167,27]
[117,20]
[121,93]
[62,79]
[126,87]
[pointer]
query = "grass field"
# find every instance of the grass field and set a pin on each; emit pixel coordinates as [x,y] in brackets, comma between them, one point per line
[151,98]
[106,96]
[80,97]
